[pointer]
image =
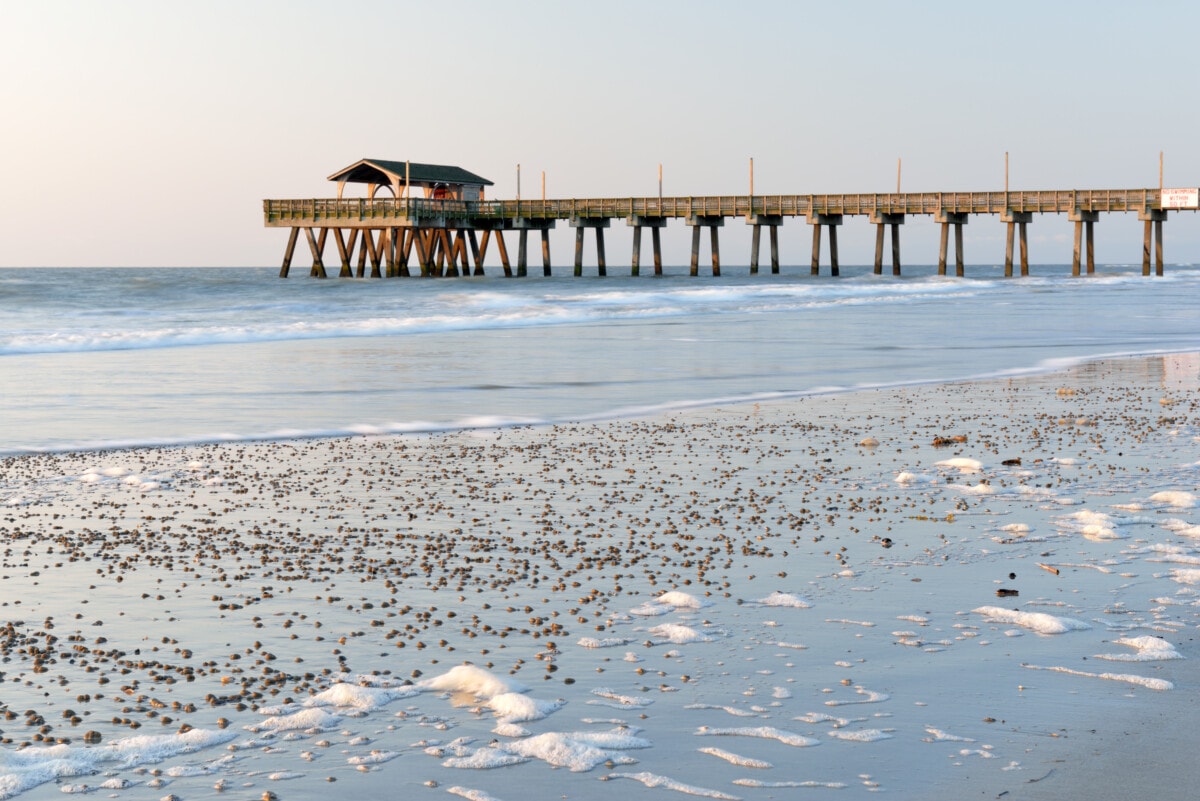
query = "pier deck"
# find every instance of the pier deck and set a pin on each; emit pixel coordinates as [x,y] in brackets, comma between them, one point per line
[387,231]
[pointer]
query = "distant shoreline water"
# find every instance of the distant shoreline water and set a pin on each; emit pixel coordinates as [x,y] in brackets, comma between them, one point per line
[102,358]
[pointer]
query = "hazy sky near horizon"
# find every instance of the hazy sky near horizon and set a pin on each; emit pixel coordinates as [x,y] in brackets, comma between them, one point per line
[147,133]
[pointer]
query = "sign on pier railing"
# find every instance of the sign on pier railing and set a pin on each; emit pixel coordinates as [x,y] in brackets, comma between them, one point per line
[1181,199]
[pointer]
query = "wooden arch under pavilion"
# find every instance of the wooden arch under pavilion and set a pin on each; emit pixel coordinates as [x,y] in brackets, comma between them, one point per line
[436,181]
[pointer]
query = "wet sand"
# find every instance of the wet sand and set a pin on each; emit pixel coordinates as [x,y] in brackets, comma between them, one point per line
[934,592]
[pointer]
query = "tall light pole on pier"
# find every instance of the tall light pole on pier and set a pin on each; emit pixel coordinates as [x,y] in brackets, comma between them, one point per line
[660,183]
[518,181]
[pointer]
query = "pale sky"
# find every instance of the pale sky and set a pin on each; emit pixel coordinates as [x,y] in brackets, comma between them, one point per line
[147,133]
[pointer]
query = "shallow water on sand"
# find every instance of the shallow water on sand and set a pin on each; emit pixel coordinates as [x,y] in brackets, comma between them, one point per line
[727,603]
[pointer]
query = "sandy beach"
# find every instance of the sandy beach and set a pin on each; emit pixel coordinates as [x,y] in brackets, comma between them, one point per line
[964,590]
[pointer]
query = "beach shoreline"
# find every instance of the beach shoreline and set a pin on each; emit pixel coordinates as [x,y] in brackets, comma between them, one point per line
[828,556]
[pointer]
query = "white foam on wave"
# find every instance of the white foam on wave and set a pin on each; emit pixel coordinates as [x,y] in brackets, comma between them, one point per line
[962,464]
[764,732]
[937,735]
[735,759]
[472,680]
[1128,678]
[784,785]
[618,700]
[517,708]
[33,766]
[785,600]
[359,697]
[1186,576]
[654,780]
[602,642]
[678,634]
[1177,499]
[1180,527]
[868,697]
[578,751]
[861,735]
[1039,622]
[470,794]
[1146,649]
[682,600]
[1095,526]
[301,720]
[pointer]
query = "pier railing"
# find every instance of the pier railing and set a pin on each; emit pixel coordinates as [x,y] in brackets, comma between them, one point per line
[287,213]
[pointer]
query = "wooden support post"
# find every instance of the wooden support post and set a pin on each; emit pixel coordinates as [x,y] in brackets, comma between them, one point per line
[1077,251]
[1158,248]
[422,242]
[318,266]
[816,249]
[895,249]
[656,242]
[404,250]
[445,262]
[476,253]
[340,241]
[714,237]
[351,243]
[388,244]
[579,251]
[1146,247]
[942,246]
[503,249]
[546,252]
[755,236]
[833,250]
[456,250]
[774,249]
[522,252]
[634,264]
[372,251]
[959,266]
[1024,249]
[879,249]
[601,266]
[1008,251]
[1091,250]
[286,267]
[696,250]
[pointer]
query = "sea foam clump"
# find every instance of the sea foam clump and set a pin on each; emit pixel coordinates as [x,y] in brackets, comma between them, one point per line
[518,708]
[678,634]
[578,751]
[962,464]
[784,599]
[471,680]
[1146,649]
[1175,498]
[1039,622]
[355,696]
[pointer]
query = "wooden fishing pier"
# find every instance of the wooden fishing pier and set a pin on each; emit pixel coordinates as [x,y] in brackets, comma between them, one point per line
[447,231]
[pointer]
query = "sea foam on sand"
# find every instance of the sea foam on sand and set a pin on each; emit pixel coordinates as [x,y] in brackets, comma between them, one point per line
[1040,622]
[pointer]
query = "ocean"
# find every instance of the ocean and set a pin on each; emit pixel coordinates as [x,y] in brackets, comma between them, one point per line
[102,358]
